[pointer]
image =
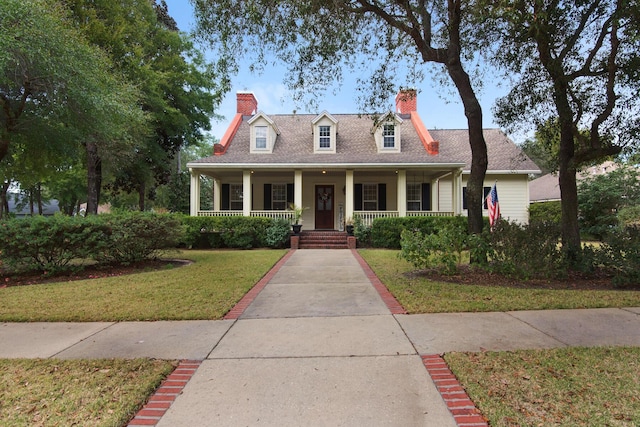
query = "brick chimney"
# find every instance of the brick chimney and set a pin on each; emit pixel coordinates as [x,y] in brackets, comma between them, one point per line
[406,101]
[247,103]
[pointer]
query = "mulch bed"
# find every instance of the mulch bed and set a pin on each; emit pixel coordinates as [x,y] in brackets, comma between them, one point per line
[467,275]
[89,272]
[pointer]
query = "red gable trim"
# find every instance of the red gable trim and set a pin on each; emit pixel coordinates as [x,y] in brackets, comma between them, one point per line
[221,148]
[432,146]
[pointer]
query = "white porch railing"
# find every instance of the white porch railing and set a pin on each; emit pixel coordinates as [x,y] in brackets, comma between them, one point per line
[288,215]
[428,213]
[367,217]
[219,213]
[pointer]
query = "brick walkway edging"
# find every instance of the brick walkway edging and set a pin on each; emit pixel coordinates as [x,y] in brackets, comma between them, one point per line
[462,408]
[392,303]
[164,396]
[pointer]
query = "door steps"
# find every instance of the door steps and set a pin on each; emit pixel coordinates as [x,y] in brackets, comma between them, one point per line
[323,239]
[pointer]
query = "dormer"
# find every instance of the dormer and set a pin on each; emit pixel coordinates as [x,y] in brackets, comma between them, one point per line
[263,132]
[325,130]
[386,132]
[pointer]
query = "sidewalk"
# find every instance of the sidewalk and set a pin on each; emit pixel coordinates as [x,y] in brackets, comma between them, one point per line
[318,345]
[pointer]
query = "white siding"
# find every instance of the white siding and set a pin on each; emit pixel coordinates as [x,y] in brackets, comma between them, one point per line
[513,195]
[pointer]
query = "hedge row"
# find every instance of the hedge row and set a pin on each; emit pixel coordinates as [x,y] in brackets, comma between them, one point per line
[385,232]
[57,243]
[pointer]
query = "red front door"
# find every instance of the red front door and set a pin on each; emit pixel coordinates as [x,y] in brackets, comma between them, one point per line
[324,207]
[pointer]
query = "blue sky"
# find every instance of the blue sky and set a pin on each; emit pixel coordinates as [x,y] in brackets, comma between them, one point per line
[438,108]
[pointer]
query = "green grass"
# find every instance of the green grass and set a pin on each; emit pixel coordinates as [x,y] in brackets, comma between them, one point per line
[569,387]
[206,289]
[420,295]
[79,392]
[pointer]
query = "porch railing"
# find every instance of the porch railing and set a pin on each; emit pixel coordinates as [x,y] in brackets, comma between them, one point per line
[428,213]
[288,215]
[367,217]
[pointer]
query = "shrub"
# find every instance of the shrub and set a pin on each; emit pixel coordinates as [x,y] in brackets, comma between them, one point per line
[361,231]
[278,233]
[526,251]
[442,250]
[49,244]
[546,212]
[385,232]
[621,254]
[136,236]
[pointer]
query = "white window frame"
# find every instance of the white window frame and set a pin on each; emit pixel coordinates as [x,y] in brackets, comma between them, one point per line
[235,197]
[324,135]
[369,204]
[414,189]
[389,136]
[261,135]
[279,196]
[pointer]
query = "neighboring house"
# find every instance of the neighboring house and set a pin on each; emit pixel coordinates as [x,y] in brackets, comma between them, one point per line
[19,206]
[341,165]
[547,188]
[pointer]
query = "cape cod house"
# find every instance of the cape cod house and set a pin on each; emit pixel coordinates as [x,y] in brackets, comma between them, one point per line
[341,165]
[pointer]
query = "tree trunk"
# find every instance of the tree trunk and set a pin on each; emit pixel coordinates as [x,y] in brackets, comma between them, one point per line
[38,190]
[4,209]
[479,159]
[141,194]
[571,245]
[94,178]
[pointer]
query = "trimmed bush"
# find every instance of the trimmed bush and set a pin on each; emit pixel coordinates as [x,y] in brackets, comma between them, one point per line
[236,232]
[545,212]
[442,250]
[385,232]
[136,236]
[49,244]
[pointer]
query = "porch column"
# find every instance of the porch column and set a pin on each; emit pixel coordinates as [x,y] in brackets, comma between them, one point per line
[402,193]
[194,193]
[217,194]
[297,188]
[348,194]
[456,184]
[246,193]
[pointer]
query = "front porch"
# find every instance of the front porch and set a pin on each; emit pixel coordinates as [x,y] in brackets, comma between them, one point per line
[331,198]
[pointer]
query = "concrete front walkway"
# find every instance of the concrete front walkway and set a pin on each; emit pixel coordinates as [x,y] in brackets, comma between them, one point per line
[317,345]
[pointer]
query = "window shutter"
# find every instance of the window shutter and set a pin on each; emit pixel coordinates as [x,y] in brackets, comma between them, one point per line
[486,191]
[224,202]
[357,197]
[382,197]
[464,198]
[290,194]
[426,196]
[267,197]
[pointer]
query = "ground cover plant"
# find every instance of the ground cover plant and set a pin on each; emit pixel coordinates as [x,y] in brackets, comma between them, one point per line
[76,392]
[571,386]
[207,288]
[476,290]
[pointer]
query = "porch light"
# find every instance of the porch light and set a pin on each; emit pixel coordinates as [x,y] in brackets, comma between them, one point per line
[324,171]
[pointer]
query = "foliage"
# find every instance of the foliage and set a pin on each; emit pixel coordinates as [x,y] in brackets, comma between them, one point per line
[526,251]
[545,212]
[629,215]
[442,250]
[237,232]
[385,232]
[136,236]
[620,252]
[49,244]
[577,62]
[361,231]
[600,197]
[278,233]
[53,244]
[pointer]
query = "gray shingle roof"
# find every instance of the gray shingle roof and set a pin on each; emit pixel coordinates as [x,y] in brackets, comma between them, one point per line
[356,145]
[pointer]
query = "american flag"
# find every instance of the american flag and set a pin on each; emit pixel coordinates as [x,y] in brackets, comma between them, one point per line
[493,206]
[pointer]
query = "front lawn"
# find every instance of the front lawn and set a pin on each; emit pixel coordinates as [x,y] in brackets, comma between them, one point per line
[568,387]
[206,289]
[76,392]
[418,294]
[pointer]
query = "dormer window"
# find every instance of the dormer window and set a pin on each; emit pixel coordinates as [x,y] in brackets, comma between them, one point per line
[261,137]
[386,132]
[325,131]
[263,133]
[389,136]
[325,136]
